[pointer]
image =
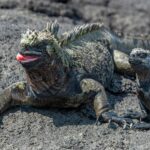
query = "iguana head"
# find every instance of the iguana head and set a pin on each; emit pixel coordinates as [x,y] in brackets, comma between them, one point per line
[38,47]
[140,60]
[33,48]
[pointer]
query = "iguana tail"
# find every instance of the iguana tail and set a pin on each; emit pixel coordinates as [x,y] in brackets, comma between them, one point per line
[127,43]
[98,32]
[121,47]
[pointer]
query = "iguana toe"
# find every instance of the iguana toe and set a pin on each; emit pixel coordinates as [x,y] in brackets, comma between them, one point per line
[141,126]
[121,121]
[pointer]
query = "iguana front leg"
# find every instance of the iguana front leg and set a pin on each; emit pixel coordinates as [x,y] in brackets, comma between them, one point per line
[101,104]
[122,65]
[13,95]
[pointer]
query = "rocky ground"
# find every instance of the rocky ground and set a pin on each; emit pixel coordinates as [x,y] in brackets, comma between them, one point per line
[30,128]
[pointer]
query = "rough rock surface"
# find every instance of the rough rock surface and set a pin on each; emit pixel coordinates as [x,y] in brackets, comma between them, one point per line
[31,128]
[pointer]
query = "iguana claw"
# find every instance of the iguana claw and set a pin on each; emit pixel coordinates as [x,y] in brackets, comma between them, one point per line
[97,123]
[131,125]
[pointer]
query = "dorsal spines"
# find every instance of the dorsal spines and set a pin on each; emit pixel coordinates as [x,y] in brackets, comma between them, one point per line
[53,27]
[80,31]
[29,38]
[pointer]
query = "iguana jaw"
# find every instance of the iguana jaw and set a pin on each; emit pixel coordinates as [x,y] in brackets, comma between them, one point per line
[26,59]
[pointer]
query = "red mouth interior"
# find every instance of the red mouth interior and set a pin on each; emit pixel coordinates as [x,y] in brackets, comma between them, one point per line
[23,58]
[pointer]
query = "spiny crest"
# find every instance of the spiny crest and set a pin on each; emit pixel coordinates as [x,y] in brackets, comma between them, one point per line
[29,38]
[47,38]
[137,51]
[33,38]
[53,27]
[80,31]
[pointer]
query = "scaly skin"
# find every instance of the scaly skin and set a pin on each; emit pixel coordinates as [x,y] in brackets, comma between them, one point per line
[140,62]
[122,48]
[68,71]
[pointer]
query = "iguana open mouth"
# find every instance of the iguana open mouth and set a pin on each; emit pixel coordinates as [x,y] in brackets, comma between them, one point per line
[26,59]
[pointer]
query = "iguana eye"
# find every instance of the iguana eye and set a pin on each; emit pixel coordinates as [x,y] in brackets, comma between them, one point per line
[133,55]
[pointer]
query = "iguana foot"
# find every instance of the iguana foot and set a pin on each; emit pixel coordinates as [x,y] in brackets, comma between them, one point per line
[12,96]
[127,120]
[121,121]
[101,104]
[135,115]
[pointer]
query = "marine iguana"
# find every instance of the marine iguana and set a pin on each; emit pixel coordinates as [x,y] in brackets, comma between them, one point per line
[140,62]
[70,70]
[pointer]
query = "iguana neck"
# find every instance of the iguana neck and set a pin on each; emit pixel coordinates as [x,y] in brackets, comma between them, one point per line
[126,43]
[47,78]
[143,79]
